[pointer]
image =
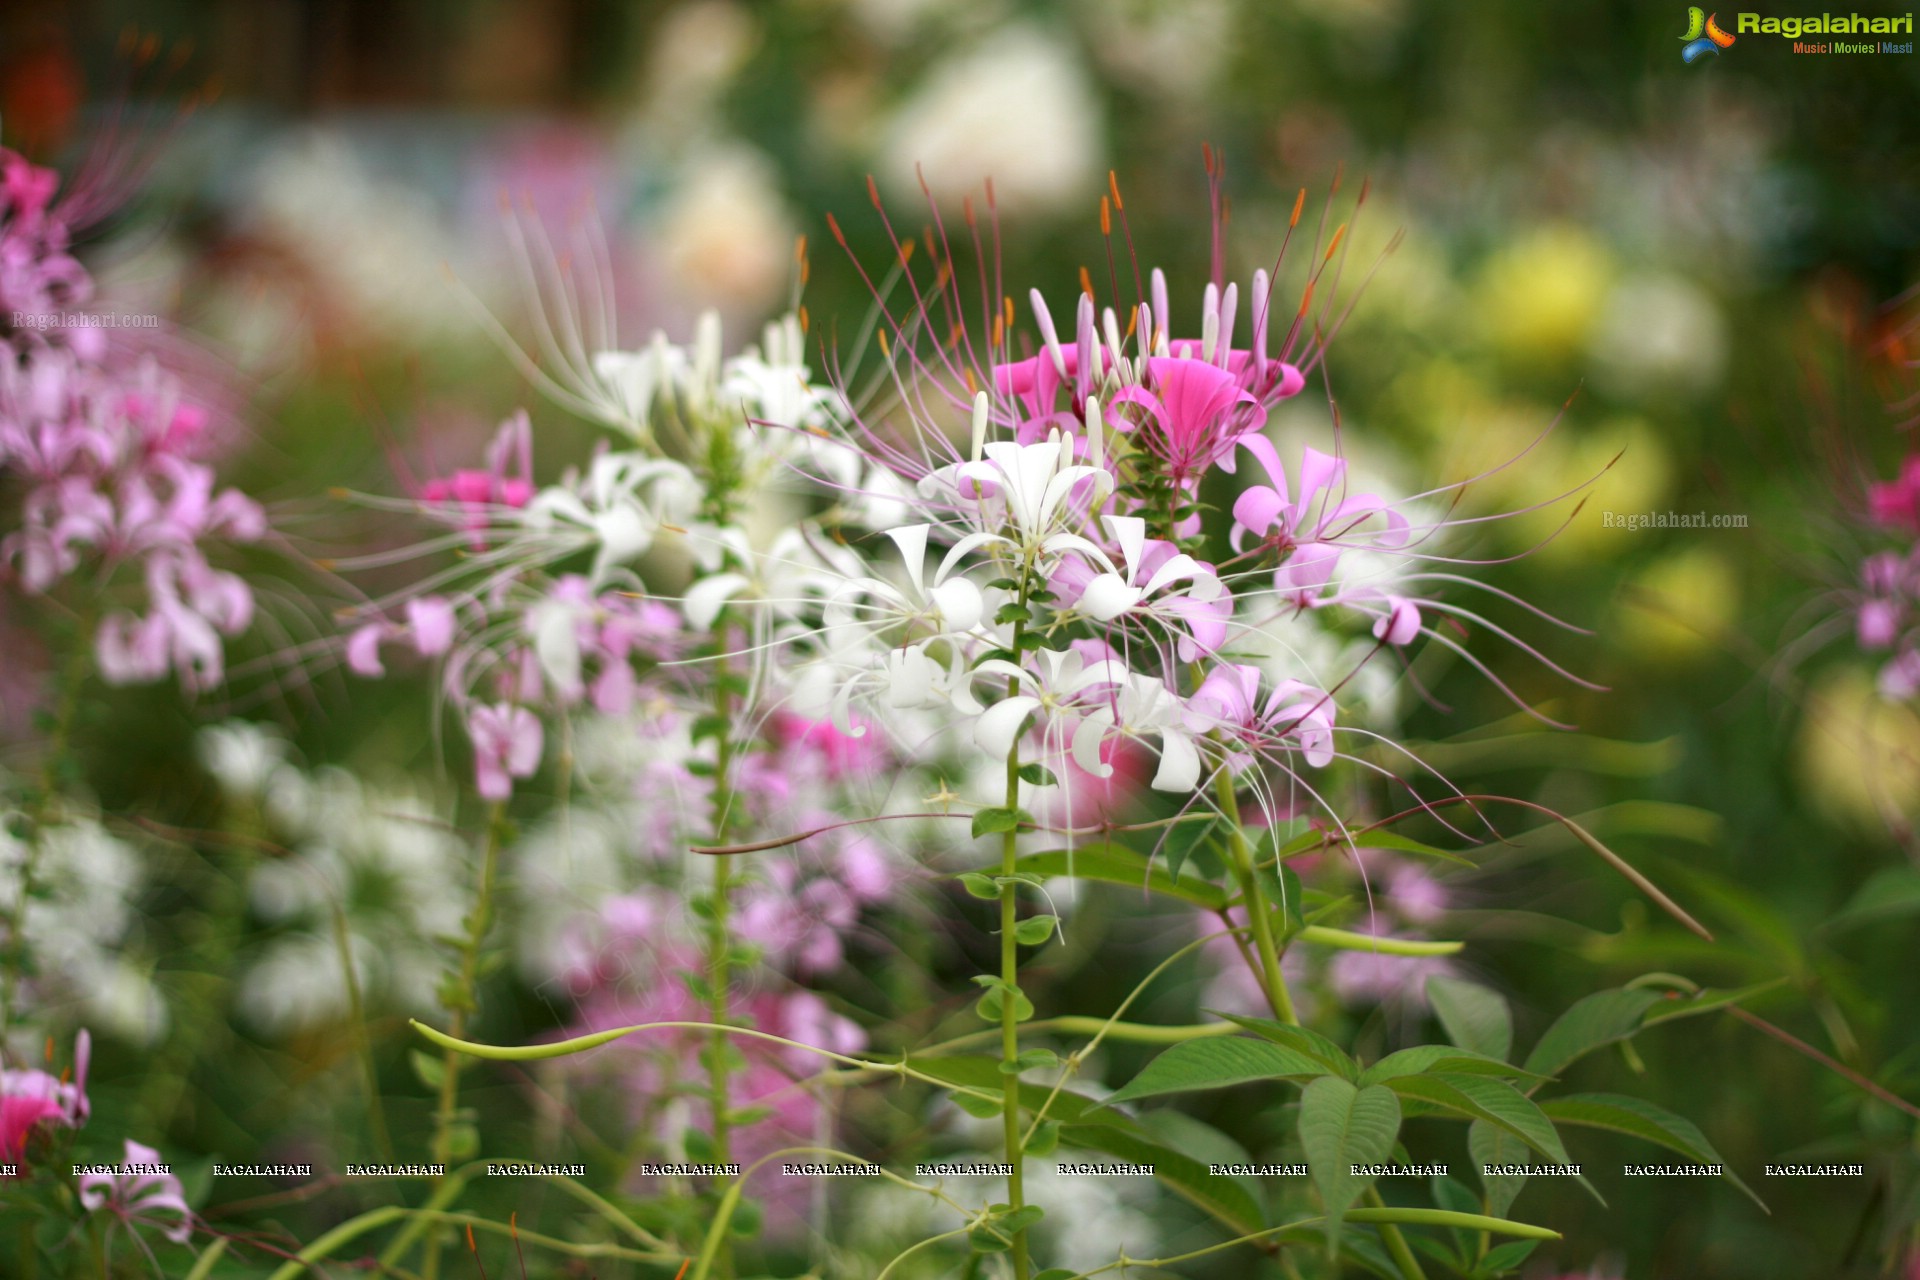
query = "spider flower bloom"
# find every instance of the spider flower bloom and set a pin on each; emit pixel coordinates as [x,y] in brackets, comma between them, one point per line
[140,1191]
[30,1099]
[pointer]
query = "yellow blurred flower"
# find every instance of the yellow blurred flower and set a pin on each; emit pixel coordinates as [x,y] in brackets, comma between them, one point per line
[1539,297]
[1677,608]
[1859,755]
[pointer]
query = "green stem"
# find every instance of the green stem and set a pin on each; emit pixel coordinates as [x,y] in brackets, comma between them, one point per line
[462,1003]
[1010,975]
[1396,1243]
[1259,912]
[720,954]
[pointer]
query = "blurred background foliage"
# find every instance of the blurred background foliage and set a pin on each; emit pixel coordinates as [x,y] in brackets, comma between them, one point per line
[1694,275]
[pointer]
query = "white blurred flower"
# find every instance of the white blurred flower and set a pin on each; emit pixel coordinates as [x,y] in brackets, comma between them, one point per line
[1659,332]
[726,233]
[374,246]
[1019,108]
[77,927]
[381,857]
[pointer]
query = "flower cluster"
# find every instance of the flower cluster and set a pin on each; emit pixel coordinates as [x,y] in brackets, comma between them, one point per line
[1888,605]
[106,454]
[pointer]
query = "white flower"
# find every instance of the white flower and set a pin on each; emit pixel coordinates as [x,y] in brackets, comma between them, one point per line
[1034,488]
[1112,593]
[1018,108]
[618,509]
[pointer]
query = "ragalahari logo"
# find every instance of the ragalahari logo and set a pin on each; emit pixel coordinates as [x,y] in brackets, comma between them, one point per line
[1703,36]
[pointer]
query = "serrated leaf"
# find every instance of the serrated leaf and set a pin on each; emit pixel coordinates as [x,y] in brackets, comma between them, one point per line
[1423,1058]
[1591,1023]
[991,822]
[1342,1126]
[1474,1017]
[1223,1198]
[979,884]
[1489,1144]
[1302,1040]
[1117,864]
[1484,1098]
[1639,1118]
[1035,930]
[1216,1063]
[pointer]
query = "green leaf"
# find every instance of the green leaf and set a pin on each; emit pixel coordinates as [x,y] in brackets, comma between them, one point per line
[1035,930]
[1302,1040]
[1046,1137]
[1484,1098]
[1422,1058]
[1705,1000]
[1117,864]
[979,884]
[1474,1017]
[1506,1257]
[1223,1198]
[1341,1126]
[1217,1063]
[1029,1060]
[1183,838]
[1888,894]
[990,822]
[1639,1118]
[993,1002]
[1489,1144]
[1038,775]
[1010,612]
[1598,1020]
[977,1071]
[977,1107]
[431,1070]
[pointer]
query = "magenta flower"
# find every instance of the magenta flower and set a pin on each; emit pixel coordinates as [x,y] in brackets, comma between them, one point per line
[30,1099]
[141,1191]
[506,745]
[1198,414]
[1896,503]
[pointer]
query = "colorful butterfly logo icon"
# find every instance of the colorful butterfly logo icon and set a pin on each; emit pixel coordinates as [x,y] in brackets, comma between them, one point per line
[1703,35]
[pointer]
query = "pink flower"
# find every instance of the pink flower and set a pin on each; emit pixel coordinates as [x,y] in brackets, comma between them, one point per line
[1295,715]
[472,496]
[139,1191]
[506,745]
[1896,503]
[1198,414]
[30,1098]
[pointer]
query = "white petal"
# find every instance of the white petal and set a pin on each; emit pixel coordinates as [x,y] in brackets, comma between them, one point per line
[1179,763]
[996,731]
[1106,598]
[704,599]
[912,541]
[1087,739]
